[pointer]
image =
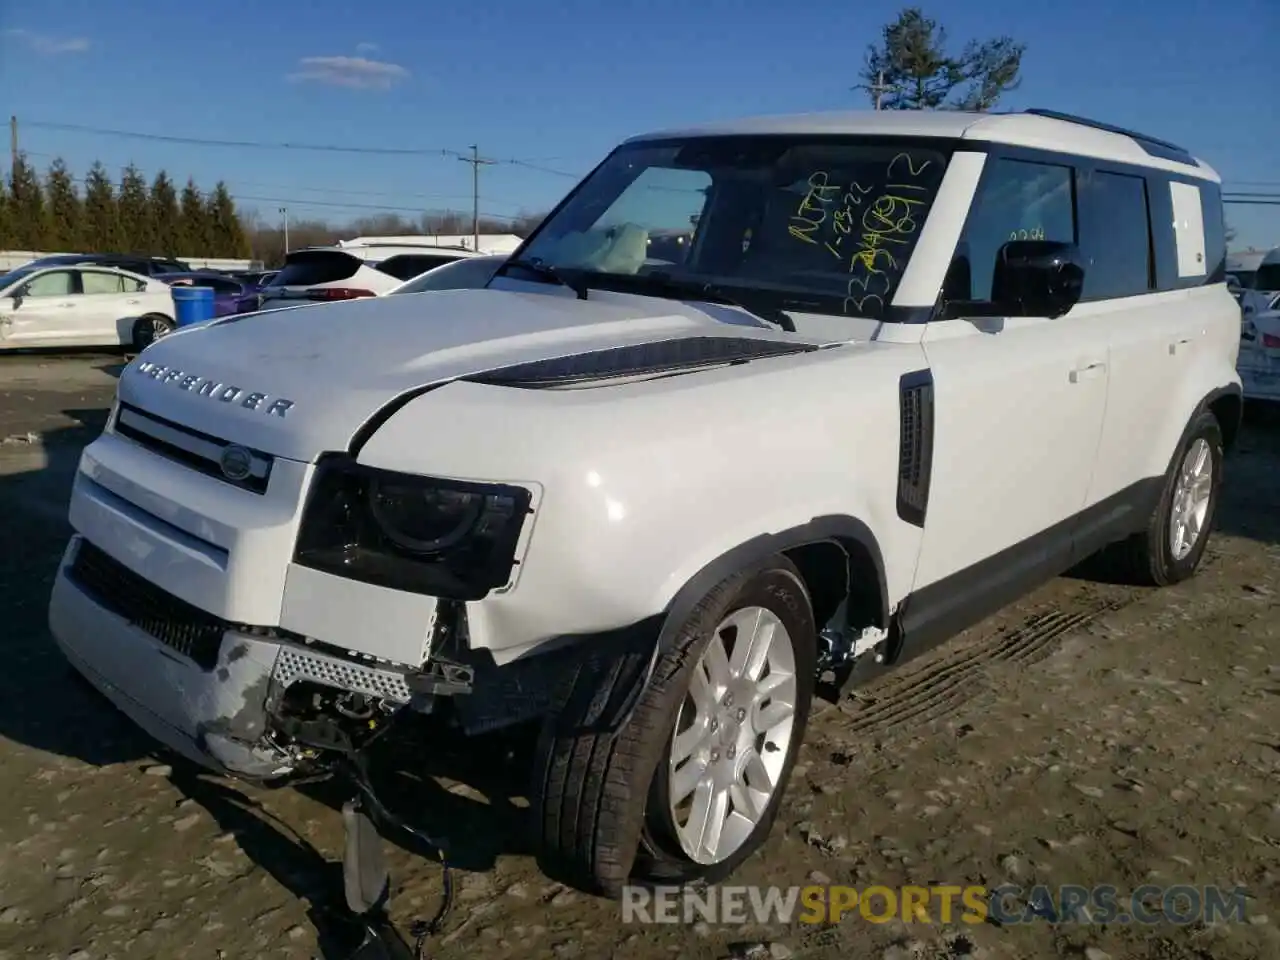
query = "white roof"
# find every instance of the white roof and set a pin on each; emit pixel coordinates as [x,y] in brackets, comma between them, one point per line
[1014,129]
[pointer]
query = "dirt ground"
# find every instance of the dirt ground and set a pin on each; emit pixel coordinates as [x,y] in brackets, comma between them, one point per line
[1089,735]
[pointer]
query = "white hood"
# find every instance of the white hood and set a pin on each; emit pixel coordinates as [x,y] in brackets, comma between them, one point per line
[328,369]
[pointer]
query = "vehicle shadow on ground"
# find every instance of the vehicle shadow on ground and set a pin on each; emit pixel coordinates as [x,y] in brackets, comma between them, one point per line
[1249,504]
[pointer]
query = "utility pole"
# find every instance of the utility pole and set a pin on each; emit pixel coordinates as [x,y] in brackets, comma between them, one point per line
[476,162]
[878,89]
[13,142]
[284,216]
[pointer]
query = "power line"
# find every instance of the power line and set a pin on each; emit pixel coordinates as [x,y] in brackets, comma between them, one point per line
[338,190]
[443,152]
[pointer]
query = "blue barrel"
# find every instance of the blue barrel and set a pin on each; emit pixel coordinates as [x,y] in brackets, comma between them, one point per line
[192,304]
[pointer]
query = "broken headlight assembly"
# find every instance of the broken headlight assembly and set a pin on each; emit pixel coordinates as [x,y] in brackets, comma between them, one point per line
[446,538]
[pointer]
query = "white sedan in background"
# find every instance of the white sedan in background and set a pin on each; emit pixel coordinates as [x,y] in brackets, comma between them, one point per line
[60,306]
[1259,363]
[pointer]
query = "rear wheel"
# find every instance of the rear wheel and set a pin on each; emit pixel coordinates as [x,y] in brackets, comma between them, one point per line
[1172,546]
[147,330]
[690,786]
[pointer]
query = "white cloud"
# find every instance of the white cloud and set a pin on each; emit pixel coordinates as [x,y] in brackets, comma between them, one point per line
[359,73]
[366,47]
[43,43]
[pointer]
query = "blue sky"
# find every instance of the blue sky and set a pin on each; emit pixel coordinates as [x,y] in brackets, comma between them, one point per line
[555,85]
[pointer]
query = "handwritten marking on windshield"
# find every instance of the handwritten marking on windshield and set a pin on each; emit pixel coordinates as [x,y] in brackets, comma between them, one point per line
[812,212]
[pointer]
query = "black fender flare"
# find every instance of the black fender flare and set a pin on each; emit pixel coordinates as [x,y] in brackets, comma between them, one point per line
[1230,431]
[750,557]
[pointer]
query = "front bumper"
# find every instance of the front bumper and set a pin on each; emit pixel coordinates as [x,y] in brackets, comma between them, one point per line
[218,714]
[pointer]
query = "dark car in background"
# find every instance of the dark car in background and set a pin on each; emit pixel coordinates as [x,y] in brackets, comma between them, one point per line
[253,278]
[157,267]
[228,291]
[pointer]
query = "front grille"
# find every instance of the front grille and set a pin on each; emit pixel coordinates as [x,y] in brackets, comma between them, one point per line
[197,450]
[174,622]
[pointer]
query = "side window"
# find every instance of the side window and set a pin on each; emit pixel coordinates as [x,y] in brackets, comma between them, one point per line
[1115,235]
[132,285]
[59,283]
[1215,232]
[92,281]
[1017,200]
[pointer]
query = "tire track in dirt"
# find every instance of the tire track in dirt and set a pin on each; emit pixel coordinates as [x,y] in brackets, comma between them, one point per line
[961,670]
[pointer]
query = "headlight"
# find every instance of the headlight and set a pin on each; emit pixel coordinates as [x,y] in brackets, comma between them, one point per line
[446,538]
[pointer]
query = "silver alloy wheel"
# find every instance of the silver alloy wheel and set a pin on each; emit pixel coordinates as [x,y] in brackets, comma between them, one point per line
[733,734]
[1190,507]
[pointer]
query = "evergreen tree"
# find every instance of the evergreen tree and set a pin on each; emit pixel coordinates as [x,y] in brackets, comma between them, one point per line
[65,218]
[26,201]
[196,240]
[6,218]
[166,225]
[910,69]
[132,204]
[227,235]
[101,221]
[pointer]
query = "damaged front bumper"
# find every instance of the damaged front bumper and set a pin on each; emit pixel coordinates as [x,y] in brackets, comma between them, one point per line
[221,713]
[227,696]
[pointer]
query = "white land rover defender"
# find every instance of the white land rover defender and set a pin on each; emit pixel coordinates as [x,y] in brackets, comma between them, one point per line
[756,405]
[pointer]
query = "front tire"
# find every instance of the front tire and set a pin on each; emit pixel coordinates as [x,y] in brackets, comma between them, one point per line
[690,786]
[1172,546]
[147,330]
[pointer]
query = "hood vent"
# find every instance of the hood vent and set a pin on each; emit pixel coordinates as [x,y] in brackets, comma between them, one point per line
[646,359]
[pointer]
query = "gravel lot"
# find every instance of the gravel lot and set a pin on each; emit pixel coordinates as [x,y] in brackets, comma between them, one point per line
[1090,735]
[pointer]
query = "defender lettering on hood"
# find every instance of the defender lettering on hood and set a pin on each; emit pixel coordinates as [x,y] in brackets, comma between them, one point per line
[215,389]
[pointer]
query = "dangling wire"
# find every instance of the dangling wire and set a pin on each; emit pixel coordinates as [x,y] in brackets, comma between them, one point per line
[420,930]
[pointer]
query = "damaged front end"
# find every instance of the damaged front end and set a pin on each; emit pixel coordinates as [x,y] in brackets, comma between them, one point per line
[255,703]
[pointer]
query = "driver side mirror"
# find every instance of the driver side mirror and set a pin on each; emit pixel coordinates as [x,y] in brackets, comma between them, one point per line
[18,296]
[1037,278]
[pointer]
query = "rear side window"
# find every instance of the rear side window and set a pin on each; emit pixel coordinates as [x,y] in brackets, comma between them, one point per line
[1115,236]
[1018,200]
[307,268]
[94,281]
[406,266]
[1215,232]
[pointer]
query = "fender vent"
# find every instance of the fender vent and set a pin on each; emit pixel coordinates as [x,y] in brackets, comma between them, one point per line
[915,449]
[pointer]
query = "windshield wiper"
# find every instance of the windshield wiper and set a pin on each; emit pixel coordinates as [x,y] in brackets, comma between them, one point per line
[711,293]
[538,266]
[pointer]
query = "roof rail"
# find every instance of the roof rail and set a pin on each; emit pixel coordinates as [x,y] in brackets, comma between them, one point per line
[1154,146]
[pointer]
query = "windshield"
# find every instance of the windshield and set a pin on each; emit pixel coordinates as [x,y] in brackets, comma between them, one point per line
[306,268]
[810,224]
[9,279]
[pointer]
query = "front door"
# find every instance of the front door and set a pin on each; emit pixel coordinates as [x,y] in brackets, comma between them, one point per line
[47,314]
[1019,407]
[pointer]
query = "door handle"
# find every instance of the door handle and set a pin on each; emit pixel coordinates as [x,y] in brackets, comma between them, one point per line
[1091,371]
[1177,345]
[131,302]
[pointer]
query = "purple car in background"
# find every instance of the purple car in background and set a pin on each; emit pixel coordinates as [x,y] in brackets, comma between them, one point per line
[228,291]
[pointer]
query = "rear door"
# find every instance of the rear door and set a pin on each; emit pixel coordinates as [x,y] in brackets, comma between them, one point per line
[110,302]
